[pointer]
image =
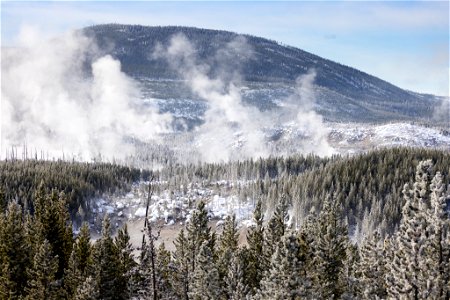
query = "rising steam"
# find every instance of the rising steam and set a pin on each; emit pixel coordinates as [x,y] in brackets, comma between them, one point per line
[231,129]
[51,103]
[60,96]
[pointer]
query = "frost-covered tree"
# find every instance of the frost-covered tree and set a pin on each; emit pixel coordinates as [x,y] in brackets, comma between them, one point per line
[181,265]
[285,278]
[420,247]
[88,290]
[274,231]
[236,288]
[330,253]
[205,279]
[106,264]
[14,252]
[255,241]
[227,245]
[42,274]
[372,268]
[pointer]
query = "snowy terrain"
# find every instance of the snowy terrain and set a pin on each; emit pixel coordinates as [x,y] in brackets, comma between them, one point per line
[170,207]
[348,138]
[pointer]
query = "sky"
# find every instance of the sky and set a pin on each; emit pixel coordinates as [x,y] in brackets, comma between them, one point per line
[403,42]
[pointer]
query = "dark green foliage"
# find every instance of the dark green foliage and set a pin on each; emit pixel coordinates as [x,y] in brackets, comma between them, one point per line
[79,181]
[285,277]
[106,264]
[198,232]
[72,276]
[14,252]
[83,248]
[126,261]
[227,245]
[181,266]
[331,253]
[53,218]
[42,283]
[254,252]
[371,182]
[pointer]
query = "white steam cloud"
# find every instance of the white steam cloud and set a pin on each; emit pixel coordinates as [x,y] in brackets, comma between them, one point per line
[50,105]
[310,123]
[231,129]
[60,97]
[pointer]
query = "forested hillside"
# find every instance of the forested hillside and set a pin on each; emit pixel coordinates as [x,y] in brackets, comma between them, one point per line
[41,259]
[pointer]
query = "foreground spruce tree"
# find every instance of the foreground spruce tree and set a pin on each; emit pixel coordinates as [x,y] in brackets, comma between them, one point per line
[235,285]
[372,268]
[227,245]
[181,266]
[419,266]
[285,278]
[254,252]
[331,253]
[205,279]
[14,252]
[42,284]
[106,265]
[125,260]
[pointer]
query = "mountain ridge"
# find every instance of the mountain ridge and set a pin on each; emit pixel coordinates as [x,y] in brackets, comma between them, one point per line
[271,62]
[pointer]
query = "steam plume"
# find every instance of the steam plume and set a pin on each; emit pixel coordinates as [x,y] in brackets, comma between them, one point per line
[51,104]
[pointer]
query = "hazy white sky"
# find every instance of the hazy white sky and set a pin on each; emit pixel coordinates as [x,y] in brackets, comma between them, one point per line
[403,42]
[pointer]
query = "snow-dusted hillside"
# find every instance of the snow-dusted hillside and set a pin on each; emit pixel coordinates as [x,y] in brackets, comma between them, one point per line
[351,137]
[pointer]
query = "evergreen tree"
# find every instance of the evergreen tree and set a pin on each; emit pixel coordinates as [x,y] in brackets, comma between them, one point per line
[255,241]
[54,219]
[331,250]
[106,264]
[88,290]
[164,266]
[285,279]
[228,243]
[72,276]
[126,261]
[372,268]
[403,278]
[274,231]
[198,232]
[42,284]
[83,248]
[236,288]
[14,252]
[181,265]
[205,279]
[437,252]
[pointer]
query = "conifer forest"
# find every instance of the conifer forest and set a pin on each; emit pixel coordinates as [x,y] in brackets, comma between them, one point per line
[373,226]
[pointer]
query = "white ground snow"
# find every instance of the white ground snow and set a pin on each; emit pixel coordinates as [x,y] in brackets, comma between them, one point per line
[172,207]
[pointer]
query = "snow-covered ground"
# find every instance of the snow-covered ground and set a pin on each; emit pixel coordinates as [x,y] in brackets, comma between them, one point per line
[354,137]
[170,207]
